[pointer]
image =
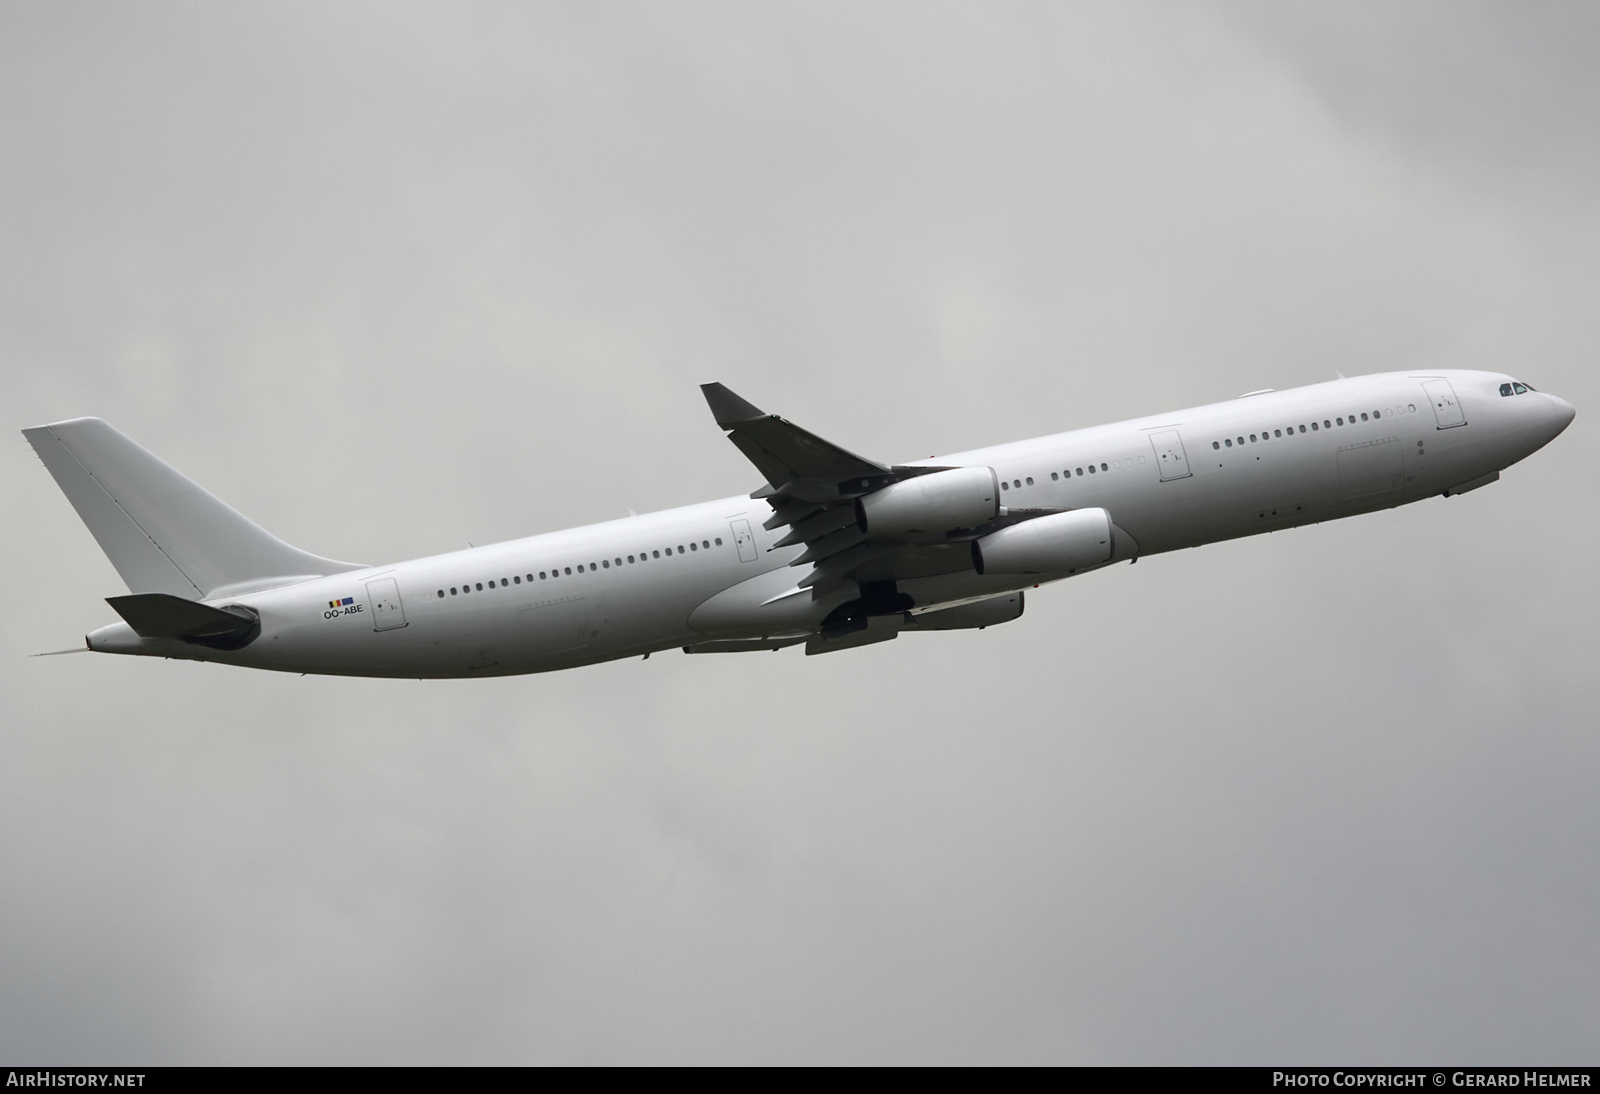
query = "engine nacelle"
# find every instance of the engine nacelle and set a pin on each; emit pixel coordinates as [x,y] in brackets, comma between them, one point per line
[962,498]
[1057,544]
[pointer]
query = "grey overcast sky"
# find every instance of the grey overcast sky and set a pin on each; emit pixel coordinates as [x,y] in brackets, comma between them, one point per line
[394,277]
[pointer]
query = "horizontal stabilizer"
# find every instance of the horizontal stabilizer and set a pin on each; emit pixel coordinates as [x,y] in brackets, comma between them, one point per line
[159,615]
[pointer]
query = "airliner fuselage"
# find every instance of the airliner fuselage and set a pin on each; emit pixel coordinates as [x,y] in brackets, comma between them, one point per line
[800,561]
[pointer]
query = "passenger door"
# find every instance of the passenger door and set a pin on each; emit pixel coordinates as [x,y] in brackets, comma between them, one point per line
[744,540]
[1170,457]
[1446,407]
[383,595]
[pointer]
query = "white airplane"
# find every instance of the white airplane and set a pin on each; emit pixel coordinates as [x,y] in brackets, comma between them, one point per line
[835,551]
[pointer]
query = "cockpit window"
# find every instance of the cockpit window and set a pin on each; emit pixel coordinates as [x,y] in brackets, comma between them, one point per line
[1520,389]
[1505,389]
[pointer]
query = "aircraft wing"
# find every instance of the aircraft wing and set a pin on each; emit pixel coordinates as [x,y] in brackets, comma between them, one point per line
[787,455]
[812,486]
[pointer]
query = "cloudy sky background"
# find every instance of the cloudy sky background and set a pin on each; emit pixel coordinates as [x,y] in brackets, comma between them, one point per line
[393,278]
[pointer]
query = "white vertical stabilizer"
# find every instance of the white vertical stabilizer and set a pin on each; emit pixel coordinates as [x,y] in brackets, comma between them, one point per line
[163,533]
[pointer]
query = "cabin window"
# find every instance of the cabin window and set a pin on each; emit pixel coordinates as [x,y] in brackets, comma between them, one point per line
[606,564]
[1005,486]
[630,560]
[656,554]
[1030,480]
[1338,421]
[1302,429]
[568,570]
[1229,443]
[1363,417]
[1103,467]
[452,591]
[694,546]
[1326,424]
[1252,438]
[1277,432]
[719,541]
[1313,427]
[1054,477]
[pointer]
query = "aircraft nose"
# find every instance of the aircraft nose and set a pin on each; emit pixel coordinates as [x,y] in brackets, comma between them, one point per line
[1561,413]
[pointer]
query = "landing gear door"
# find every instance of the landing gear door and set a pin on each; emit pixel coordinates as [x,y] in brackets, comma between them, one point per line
[744,540]
[1170,456]
[384,597]
[1446,407]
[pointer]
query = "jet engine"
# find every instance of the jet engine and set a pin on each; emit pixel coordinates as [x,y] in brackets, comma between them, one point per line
[1059,543]
[961,498]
